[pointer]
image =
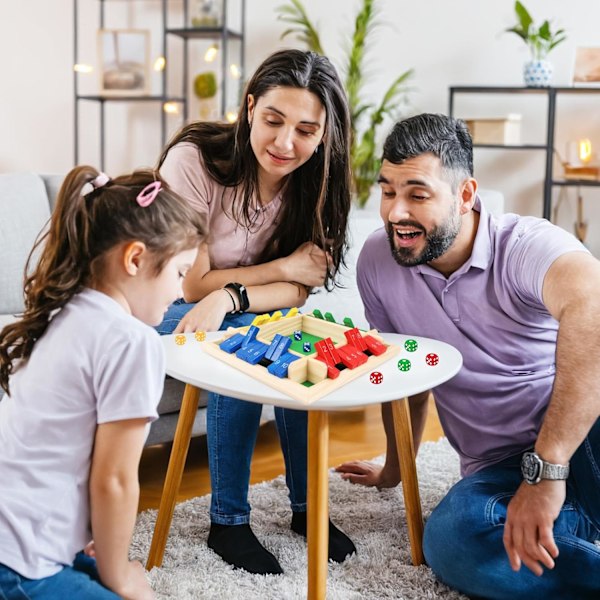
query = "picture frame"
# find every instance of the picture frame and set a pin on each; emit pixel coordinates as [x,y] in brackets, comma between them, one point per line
[124,62]
[586,71]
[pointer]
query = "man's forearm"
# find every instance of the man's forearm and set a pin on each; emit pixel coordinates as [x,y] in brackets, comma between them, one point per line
[575,403]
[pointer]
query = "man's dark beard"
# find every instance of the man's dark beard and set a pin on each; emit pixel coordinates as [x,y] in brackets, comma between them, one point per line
[438,241]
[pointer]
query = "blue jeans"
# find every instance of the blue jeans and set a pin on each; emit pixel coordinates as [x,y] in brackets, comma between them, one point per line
[463,536]
[78,581]
[232,427]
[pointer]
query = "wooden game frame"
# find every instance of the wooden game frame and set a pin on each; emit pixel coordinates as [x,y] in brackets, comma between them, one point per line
[307,368]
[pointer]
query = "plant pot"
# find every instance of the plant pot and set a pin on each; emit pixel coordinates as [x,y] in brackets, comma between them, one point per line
[538,73]
[207,109]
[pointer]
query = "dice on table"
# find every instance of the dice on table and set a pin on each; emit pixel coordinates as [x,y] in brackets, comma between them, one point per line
[306,347]
[180,339]
[200,336]
[411,345]
[404,364]
[376,377]
[432,359]
[297,335]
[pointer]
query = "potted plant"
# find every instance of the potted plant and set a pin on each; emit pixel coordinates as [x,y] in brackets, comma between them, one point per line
[366,116]
[205,88]
[538,71]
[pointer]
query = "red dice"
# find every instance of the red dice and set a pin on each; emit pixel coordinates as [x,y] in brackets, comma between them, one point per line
[432,359]
[376,377]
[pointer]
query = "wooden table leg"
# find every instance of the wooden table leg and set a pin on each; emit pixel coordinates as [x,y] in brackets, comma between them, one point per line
[318,508]
[181,444]
[410,483]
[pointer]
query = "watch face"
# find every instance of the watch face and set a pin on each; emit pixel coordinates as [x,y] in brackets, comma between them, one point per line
[531,467]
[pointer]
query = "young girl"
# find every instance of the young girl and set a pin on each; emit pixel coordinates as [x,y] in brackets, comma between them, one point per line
[275,189]
[83,374]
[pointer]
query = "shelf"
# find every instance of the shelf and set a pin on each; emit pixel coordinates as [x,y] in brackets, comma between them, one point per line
[512,146]
[229,35]
[576,182]
[208,33]
[131,98]
[483,89]
[551,94]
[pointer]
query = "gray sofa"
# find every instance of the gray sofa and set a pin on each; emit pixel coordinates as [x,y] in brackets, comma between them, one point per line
[26,200]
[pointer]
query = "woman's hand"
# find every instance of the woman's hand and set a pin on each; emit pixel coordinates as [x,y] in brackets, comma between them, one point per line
[208,314]
[308,265]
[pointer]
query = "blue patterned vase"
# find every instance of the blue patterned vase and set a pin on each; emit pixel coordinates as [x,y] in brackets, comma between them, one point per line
[538,73]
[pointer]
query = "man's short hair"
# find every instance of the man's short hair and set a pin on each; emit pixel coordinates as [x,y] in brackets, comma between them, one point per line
[440,135]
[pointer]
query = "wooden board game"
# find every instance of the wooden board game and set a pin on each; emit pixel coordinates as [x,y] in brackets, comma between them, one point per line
[301,355]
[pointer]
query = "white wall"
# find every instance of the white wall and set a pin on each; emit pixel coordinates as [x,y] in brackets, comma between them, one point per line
[463,43]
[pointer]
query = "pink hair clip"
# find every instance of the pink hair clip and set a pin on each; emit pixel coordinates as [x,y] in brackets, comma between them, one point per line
[100,180]
[148,194]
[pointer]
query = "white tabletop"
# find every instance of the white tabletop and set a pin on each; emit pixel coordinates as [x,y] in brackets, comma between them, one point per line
[188,363]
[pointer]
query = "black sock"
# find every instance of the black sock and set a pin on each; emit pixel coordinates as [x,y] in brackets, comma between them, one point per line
[340,545]
[238,546]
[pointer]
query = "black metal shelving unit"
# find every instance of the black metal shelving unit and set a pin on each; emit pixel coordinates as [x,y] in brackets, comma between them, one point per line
[551,94]
[224,35]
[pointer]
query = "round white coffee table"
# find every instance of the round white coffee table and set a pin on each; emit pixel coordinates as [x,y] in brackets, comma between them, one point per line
[199,370]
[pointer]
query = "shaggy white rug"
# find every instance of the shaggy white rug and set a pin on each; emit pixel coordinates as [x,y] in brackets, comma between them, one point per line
[374,520]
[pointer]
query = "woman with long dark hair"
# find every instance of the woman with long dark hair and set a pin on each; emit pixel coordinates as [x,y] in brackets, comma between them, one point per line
[275,189]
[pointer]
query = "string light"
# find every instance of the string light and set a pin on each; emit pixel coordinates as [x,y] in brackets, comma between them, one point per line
[235,71]
[211,53]
[171,108]
[82,68]
[160,63]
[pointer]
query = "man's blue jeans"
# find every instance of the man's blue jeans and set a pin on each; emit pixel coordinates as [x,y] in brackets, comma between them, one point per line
[232,427]
[463,535]
[78,581]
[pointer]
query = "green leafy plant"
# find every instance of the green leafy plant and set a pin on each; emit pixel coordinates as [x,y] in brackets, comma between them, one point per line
[539,40]
[366,116]
[205,85]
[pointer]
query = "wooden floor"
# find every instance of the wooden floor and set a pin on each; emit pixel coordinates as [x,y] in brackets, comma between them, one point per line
[353,435]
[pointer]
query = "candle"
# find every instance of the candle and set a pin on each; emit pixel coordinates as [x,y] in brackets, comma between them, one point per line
[585,151]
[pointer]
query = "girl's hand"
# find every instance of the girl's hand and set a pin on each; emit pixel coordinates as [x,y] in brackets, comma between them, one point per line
[308,265]
[90,549]
[136,586]
[208,314]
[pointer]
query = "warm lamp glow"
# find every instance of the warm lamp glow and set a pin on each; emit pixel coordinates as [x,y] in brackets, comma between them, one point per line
[159,63]
[171,108]
[235,71]
[81,68]
[585,150]
[211,53]
[231,116]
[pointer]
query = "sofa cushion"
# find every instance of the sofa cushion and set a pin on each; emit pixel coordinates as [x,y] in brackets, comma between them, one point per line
[25,210]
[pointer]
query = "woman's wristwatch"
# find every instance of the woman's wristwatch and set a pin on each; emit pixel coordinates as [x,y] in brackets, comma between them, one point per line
[242,295]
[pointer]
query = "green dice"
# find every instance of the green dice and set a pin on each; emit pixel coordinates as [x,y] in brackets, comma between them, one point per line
[411,345]
[404,364]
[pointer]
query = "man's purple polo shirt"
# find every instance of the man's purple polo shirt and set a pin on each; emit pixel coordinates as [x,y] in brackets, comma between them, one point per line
[491,310]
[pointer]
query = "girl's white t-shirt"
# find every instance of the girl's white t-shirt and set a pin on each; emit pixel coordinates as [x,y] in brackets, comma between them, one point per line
[94,364]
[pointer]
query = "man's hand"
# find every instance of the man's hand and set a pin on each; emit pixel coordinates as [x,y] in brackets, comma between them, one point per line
[369,474]
[528,536]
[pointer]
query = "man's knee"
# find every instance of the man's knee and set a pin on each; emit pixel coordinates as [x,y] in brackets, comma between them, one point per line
[458,526]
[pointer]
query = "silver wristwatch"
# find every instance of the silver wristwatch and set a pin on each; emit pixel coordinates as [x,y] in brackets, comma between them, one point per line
[534,469]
